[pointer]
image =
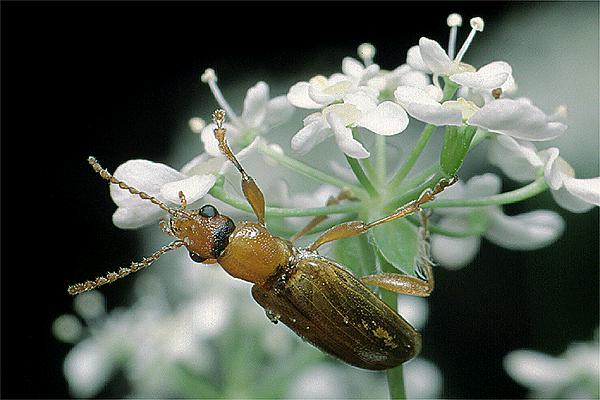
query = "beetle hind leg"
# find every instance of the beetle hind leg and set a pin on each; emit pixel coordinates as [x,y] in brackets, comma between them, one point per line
[404,284]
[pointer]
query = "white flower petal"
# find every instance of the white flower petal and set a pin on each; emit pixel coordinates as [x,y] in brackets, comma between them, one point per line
[136,216]
[194,188]
[554,170]
[361,100]
[454,253]
[537,370]
[145,176]
[517,119]
[420,105]
[279,111]
[211,144]
[434,56]
[569,201]
[386,119]
[414,59]
[298,96]
[529,231]
[344,139]
[414,78]
[488,77]
[513,158]
[586,189]
[483,185]
[309,136]
[255,104]
[352,68]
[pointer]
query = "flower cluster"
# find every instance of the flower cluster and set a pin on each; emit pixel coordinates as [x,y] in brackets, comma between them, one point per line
[472,106]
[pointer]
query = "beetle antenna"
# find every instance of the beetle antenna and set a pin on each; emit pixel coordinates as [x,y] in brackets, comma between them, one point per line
[109,177]
[123,272]
[249,187]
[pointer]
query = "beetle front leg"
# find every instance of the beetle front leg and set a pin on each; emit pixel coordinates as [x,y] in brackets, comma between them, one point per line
[404,284]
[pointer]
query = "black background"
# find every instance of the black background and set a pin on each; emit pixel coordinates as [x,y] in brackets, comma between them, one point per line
[114,79]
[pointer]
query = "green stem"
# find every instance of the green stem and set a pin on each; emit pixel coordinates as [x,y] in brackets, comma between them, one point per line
[433,228]
[219,193]
[534,188]
[380,161]
[322,227]
[413,156]
[361,176]
[307,170]
[395,376]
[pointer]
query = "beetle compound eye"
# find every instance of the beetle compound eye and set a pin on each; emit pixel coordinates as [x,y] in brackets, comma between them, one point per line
[230,226]
[208,211]
[196,257]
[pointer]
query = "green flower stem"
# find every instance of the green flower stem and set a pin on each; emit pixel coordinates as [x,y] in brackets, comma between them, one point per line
[413,156]
[287,232]
[307,170]
[395,376]
[414,192]
[218,192]
[534,188]
[433,228]
[361,176]
[380,161]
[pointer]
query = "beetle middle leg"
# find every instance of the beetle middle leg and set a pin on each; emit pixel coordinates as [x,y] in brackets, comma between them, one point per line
[354,228]
[404,284]
[345,194]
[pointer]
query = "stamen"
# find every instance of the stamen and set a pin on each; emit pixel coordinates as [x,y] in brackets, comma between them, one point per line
[209,76]
[454,21]
[477,26]
[366,52]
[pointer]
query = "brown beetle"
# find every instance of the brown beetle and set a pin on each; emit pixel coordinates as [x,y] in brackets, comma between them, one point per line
[317,298]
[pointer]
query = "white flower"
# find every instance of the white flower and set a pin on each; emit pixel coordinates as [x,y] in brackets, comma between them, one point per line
[564,376]
[359,109]
[529,231]
[319,91]
[259,116]
[195,179]
[517,118]
[387,81]
[520,160]
[424,105]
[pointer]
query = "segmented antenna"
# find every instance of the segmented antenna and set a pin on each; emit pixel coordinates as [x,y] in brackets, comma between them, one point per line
[123,272]
[109,177]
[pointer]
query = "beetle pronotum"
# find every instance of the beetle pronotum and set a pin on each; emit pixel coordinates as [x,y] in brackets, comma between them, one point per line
[319,299]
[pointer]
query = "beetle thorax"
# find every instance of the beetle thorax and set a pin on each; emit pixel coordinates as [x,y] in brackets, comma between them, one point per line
[253,254]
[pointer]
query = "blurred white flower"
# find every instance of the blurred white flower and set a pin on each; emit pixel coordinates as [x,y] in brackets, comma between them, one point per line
[195,179]
[573,374]
[528,231]
[259,116]
[423,379]
[520,160]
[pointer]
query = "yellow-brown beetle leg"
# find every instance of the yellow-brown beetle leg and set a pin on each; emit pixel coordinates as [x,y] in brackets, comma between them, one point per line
[404,284]
[354,228]
[345,194]
[249,187]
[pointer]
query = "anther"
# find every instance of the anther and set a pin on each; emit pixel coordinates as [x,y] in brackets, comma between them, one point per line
[196,124]
[477,26]
[208,75]
[366,52]
[454,21]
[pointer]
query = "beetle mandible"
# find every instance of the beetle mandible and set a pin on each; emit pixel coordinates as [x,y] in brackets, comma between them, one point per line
[319,299]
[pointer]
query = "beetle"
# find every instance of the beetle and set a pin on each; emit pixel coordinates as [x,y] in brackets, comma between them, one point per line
[316,297]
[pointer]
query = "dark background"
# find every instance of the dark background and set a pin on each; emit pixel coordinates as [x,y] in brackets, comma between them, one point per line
[115,79]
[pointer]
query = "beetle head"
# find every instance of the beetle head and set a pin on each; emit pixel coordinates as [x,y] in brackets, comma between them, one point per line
[204,231]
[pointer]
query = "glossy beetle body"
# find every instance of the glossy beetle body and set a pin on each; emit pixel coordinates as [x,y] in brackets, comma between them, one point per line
[329,307]
[317,298]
